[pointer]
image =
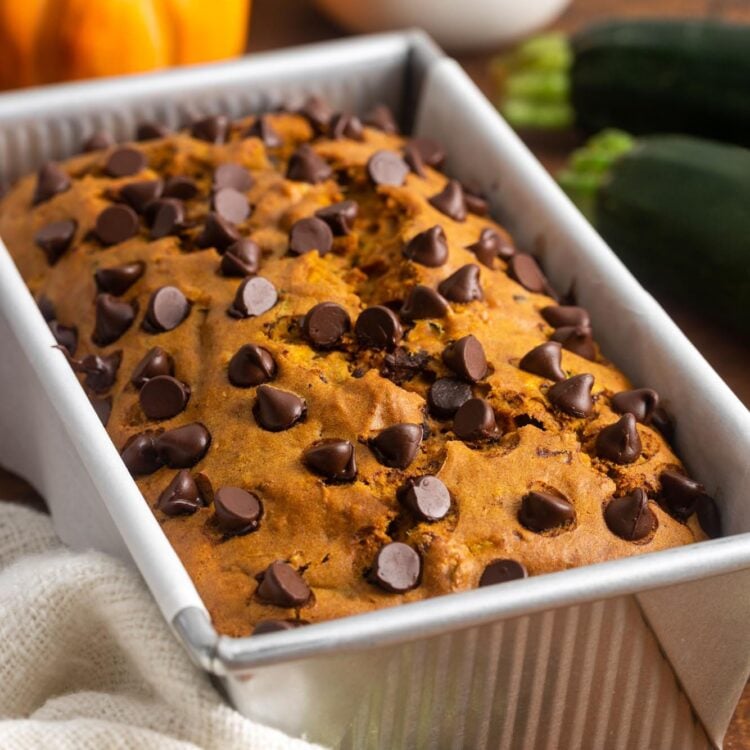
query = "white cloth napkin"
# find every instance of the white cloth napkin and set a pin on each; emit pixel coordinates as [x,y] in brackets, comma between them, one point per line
[86,661]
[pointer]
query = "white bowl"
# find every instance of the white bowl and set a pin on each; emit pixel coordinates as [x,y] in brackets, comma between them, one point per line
[454,25]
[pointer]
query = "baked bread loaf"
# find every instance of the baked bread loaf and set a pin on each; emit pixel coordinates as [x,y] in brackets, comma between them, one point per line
[338,383]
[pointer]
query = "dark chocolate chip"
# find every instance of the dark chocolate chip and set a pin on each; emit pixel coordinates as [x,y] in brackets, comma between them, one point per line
[240,259]
[641,403]
[262,129]
[378,328]
[339,217]
[345,125]
[310,234]
[709,517]
[167,308]
[149,131]
[46,307]
[397,568]
[237,511]
[168,217]
[251,366]
[680,494]
[475,420]
[576,339]
[428,248]
[397,446]
[274,626]
[545,361]
[491,245]
[426,497]
[255,296]
[217,233]
[332,458]
[446,396]
[100,371]
[102,407]
[113,318]
[213,129]
[276,410]
[400,366]
[66,336]
[387,168]
[98,141]
[502,571]
[541,511]
[282,585]
[476,203]
[619,442]
[139,454]
[50,180]
[138,195]
[181,497]
[466,358]
[231,205]
[124,162]
[381,118]
[55,238]
[325,324]
[163,397]
[306,166]
[629,516]
[450,201]
[423,302]
[116,224]
[156,362]
[562,316]
[573,396]
[232,176]
[317,112]
[430,151]
[181,187]
[525,270]
[184,446]
[413,159]
[462,285]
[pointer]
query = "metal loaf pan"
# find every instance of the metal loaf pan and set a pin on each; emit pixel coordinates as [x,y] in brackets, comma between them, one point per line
[650,652]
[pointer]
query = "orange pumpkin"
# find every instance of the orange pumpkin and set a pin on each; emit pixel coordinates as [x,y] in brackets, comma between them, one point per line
[43,41]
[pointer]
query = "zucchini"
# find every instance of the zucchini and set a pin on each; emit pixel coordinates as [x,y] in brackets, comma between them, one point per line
[676,209]
[644,76]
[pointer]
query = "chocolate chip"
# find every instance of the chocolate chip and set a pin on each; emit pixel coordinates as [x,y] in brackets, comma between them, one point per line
[113,318]
[378,328]
[282,585]
[231,205]
[423,302]
[545,361]
[640,402]
[679,494]
[255,296]
[446,395]
[213,129]
[429,150]
[50,180]
[475,201]
[138,195]
[98,141]
[317,112]
[426,497]
[163,397]
[397,568]
[240,259]
[55,238]
[450,201]
[462,285]
[100,371]
[629,516]
[124,162]
[181,187]
[156,362]
[475,420]
[168,217]
[149,131]
[709,517]
[573,396]
[525,270]
[139,454]
[413,159]
[562,316]
[466,358]
[251,366]
[310,234]
[339,217]
[346,125]
[102,407]
[381,118]
[428,248]
[541,511]
[184,446]
[325,324]
[46,307]
[262,129]
[217,233]
[232,176]
[116,224]
[276,410]
[167,308]
[576,339]
[237,511]
[66,336]
[387,168]
[274,626]
[306,166]
[396,446]
[502,571]
[491,245]
[332,458]
[619,442]
[181,497]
